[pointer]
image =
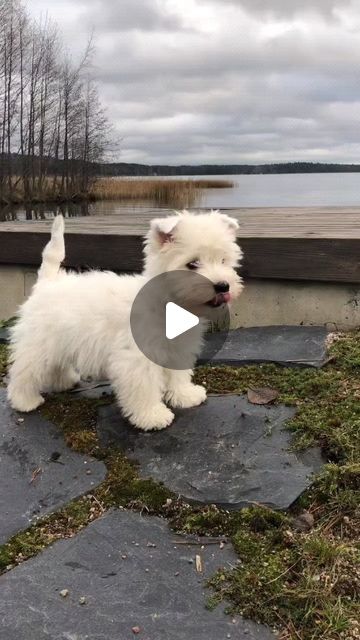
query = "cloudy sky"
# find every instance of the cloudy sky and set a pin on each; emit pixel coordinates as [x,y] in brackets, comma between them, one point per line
[223,81]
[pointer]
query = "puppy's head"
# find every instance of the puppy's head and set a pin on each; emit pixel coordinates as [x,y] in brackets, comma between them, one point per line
[204,243]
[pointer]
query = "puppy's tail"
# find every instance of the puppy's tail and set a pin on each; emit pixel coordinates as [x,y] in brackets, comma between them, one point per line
[54,252]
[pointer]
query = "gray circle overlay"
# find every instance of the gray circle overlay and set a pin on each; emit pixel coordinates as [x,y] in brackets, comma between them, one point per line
[190,291]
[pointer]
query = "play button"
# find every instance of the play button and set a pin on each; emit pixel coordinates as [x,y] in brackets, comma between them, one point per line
[178,320]
[169,316]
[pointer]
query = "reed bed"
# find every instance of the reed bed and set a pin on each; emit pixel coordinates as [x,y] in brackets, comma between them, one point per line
[176,193]
[168,192]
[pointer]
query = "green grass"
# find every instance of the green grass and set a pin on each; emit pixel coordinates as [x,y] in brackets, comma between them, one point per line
[305,583]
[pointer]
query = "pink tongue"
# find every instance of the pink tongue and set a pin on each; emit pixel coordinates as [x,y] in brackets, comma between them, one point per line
[222,298]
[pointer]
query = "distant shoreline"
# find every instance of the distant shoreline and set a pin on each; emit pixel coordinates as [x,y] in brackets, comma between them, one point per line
[133,169]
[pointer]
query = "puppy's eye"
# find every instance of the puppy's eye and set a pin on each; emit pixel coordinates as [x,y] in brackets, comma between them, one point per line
[194,264]
[223,261]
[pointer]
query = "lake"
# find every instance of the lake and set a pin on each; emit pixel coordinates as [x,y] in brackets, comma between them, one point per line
[281,190]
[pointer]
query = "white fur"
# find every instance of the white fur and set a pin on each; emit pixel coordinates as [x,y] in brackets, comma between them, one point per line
[78,324]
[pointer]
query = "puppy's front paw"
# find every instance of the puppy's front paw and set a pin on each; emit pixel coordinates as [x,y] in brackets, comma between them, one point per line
[157,418]
[25,403]
[190,395]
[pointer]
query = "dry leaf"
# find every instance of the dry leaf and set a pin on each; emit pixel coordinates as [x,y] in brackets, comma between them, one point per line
[304,522]
[262,395]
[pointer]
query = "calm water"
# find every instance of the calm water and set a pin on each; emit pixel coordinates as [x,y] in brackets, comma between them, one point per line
[324,189]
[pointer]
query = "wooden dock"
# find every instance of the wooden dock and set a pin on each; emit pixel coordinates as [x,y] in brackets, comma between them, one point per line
[310,244]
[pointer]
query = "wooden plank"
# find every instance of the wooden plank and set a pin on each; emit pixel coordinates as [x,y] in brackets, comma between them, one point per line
[274,258]
[318,244]
[313,259]
[297,222]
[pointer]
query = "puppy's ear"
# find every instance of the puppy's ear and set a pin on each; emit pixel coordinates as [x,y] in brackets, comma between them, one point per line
[231,223]
[163,230]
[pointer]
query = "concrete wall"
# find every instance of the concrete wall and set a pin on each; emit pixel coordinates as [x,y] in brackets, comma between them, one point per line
[15,286]
[274,302]
[263,302]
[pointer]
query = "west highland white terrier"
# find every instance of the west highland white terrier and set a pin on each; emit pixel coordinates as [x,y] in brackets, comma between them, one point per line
[76,326]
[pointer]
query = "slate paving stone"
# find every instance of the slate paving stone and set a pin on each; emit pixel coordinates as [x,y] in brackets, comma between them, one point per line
[290,346]
[122,572]
[226,452]
[31,484]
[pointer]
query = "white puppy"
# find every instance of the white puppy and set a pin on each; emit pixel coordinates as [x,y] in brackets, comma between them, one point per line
[77,325]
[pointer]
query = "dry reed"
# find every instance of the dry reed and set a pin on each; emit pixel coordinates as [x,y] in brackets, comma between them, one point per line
[165,192]
[176,193]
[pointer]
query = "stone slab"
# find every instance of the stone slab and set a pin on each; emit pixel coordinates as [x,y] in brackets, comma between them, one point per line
[284,345]
[31,485]
[131,574]
[226,452]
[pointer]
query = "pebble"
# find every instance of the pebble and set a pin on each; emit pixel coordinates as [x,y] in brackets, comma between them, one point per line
[64,593]
[136,630]
[82,600]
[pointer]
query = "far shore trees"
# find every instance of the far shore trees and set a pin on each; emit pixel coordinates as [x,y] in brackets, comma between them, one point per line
[52,125]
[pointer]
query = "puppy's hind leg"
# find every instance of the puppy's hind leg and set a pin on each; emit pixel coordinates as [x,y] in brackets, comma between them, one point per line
[63,379]
[139,388]
[181,392]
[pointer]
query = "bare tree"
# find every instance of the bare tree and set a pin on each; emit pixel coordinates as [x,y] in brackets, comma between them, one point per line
[52,126]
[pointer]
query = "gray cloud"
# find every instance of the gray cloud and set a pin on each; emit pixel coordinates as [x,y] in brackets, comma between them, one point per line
[124,15]
[224,80]
[288,7]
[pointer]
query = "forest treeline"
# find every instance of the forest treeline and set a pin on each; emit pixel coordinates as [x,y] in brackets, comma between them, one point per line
[52,126]
[126,169]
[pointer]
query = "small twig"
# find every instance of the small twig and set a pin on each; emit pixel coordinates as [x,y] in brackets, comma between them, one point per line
[287,625]
[284,572]
[195,543]
[200,542]
[198,564]
[35,474]
[98,503]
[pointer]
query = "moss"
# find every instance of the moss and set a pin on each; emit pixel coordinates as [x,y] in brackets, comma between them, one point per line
[63,524]
[345,350]
[77,418]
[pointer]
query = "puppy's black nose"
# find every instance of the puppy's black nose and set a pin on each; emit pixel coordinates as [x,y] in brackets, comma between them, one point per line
[221,287]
